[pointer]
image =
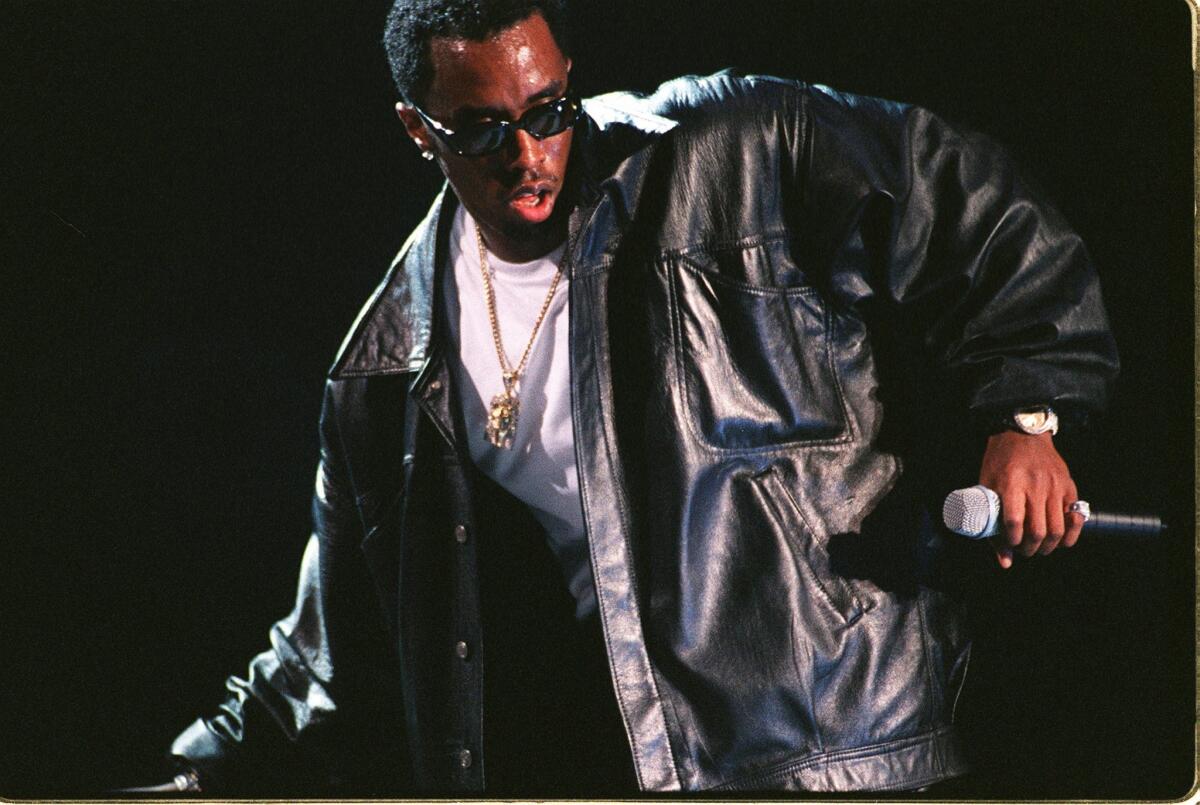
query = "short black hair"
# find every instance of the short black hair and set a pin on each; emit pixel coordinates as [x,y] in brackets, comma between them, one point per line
[411,24]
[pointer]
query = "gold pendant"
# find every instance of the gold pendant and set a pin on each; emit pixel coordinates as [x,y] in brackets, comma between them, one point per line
[502,417]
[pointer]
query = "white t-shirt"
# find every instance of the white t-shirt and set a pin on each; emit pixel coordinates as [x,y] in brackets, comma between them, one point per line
[540,468]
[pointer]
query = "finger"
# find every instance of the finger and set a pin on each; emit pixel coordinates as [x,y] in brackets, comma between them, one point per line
[1004,556]
[1074,521]
[1012,509]
[1035,527]
[1055,527]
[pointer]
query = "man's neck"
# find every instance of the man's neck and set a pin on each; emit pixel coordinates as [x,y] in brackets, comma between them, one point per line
[525,246]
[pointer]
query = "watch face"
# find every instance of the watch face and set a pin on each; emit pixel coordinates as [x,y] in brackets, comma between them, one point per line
[1031,421]
[1036,420]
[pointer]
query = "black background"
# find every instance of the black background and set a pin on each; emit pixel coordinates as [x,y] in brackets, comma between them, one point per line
[197,197]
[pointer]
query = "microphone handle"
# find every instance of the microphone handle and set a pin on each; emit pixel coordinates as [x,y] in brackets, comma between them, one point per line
[1123,525]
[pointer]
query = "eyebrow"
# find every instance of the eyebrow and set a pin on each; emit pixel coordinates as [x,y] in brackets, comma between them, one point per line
[552,90]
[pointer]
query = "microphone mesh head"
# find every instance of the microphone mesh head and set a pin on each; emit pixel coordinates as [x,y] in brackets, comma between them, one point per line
[968,511]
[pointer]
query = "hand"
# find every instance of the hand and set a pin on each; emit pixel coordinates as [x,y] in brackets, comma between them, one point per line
[1035,488]
[186,781]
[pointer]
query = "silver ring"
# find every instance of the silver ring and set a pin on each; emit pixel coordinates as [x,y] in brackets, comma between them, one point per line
[1081,507]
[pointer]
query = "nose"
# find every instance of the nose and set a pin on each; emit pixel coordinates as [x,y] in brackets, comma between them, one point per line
[523,152]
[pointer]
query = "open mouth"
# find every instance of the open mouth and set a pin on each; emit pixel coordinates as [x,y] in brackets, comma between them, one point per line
[532,203]
[529,196]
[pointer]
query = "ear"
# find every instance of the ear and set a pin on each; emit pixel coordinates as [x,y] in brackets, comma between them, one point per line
[414,126]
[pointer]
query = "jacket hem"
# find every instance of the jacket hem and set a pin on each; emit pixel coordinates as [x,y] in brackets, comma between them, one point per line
[904,764]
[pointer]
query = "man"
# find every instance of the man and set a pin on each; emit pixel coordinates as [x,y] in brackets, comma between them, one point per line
[605,458]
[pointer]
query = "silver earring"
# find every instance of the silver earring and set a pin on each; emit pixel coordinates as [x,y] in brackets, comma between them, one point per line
[425,154]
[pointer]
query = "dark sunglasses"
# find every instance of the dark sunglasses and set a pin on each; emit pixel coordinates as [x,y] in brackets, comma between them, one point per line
[476,139]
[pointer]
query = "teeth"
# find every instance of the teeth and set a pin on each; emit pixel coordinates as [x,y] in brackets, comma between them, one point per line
[529,198]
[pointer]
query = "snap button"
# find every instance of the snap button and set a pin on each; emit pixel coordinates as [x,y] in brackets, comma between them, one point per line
[460,534]
[461,650]
[464,758]
[435,385]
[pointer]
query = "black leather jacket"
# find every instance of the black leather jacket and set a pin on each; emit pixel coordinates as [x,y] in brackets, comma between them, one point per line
[735,245]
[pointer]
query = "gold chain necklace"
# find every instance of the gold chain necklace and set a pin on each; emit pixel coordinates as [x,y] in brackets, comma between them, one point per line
[502,416]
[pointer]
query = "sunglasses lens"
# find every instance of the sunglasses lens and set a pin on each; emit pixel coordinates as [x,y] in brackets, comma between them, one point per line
[479,140]
[548,120]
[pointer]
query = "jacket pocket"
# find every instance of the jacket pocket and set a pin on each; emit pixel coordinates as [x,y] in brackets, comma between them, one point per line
[809,554]
[754,363]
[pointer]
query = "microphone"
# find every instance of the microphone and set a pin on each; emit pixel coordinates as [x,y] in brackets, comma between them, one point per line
[974,512]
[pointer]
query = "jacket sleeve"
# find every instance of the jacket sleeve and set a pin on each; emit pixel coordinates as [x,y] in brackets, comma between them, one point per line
[317,706]
[934,226]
